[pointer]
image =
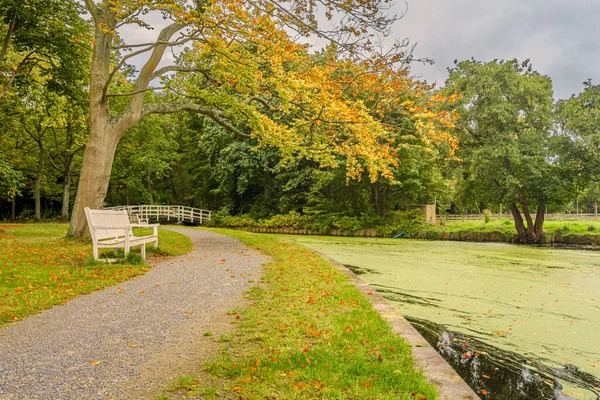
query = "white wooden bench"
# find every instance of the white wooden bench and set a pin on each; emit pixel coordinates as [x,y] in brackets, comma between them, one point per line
[112,229]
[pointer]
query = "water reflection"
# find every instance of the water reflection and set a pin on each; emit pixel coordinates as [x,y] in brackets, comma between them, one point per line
[498,374]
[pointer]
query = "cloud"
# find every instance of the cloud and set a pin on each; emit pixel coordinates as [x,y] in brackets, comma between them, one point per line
[559,37]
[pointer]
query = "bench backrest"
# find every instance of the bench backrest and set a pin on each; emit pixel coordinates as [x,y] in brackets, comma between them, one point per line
[106,218]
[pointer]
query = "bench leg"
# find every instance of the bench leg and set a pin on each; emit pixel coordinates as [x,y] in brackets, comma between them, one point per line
[156,244]
[143,250]
[95,252]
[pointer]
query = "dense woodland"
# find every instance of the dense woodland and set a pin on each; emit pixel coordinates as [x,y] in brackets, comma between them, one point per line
[250,121]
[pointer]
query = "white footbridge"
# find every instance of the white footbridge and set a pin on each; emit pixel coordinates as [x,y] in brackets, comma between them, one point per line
[166,214]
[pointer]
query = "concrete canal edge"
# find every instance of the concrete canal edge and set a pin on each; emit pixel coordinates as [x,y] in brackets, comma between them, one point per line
[436,369]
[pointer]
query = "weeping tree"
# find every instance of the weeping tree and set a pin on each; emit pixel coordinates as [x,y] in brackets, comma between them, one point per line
[242,69]
[507,142]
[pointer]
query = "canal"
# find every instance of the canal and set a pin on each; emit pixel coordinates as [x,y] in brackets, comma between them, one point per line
[516,322]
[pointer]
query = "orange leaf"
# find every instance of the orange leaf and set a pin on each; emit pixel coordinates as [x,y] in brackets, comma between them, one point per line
[485,376]
[349,329]
[367,384]
[483,391]
[237,389]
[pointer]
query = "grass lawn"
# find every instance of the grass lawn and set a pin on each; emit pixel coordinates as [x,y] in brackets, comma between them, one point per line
[40,267]
[307,333]
[507,226]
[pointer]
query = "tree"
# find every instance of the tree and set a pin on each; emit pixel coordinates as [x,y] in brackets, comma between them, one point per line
[47,35]
[578,130]
[235,67]
[506,138]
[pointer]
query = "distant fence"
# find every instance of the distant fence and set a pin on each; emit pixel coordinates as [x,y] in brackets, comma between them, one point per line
[178,214]
[475,217]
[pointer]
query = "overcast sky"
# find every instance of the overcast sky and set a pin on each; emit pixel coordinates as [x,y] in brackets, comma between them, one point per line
[561,37]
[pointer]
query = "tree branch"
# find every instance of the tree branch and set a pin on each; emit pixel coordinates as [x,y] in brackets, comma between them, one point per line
[175,68]
[92,9]
[215,115]
[134,93]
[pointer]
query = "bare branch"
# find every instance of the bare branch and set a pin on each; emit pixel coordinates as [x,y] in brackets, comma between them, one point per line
[134,93]
[215,115]
[92,9]
[175,68]
[258,100]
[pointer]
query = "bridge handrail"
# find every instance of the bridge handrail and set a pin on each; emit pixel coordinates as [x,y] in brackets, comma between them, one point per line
[178,213]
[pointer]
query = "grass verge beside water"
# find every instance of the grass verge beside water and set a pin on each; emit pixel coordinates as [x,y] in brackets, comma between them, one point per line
[40,267]
[307,333]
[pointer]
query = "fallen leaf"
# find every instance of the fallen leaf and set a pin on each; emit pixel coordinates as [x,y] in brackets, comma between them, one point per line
[485,376]
[96,362]
[484,392]
[367,384]
[133,345]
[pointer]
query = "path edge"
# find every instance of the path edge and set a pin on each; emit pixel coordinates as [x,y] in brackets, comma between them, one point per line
[450,385]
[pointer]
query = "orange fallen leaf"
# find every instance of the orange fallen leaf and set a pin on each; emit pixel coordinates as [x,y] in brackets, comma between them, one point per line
[142,291]
[237,389]
[367,384]
[485,376]
[484,392]
[96,362]
[349,329]
[369,293]
[467,355]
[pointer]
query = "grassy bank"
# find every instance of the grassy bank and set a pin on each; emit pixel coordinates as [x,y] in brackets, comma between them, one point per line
[412,225]
[40,268]
[307,333]
[567,232]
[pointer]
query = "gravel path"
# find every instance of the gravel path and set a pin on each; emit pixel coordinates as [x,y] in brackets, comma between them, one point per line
[127,340]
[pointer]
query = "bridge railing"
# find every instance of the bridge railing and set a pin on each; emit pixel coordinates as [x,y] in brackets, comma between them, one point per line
[170,213]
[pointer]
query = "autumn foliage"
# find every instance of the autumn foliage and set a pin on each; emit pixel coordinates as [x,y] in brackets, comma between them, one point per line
[248,67]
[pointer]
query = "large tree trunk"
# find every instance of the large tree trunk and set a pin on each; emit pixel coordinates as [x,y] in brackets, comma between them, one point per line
[532,233]
[95,175]
[64,213]
[38,186]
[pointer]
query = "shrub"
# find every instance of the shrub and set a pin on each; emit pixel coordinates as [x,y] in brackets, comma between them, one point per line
[350,224]
[487,216]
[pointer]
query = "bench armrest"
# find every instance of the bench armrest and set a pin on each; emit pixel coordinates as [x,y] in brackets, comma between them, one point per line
[108,228]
